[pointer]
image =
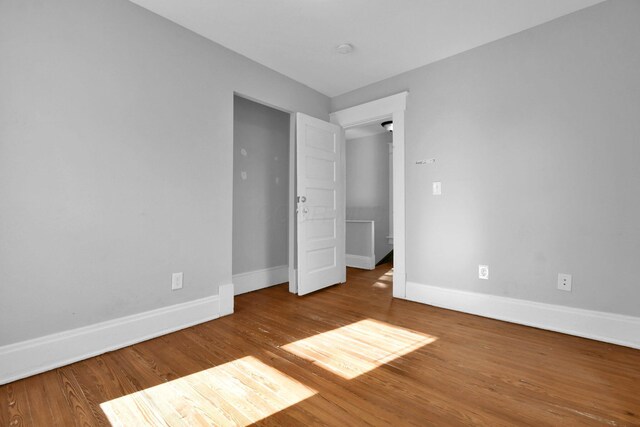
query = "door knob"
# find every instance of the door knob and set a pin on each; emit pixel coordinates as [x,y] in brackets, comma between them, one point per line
[303,199]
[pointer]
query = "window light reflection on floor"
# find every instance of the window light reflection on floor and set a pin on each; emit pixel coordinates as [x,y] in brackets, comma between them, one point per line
[380,285]
[360,347]
[387,276]
[384,281]
[238,393]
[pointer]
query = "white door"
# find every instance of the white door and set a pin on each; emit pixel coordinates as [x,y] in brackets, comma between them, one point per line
[321,204]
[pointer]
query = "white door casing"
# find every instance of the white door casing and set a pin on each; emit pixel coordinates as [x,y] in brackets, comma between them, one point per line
[320,204]
[375,111]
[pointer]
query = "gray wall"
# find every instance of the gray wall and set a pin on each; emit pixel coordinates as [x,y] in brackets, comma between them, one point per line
[537,140]
[367,185]
[260,187]
[116,157]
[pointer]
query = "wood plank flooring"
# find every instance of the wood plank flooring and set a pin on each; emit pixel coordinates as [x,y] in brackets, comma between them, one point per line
[347,355]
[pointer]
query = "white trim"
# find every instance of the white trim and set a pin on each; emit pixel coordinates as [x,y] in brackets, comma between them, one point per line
[342,204]
[390,236]
[293,284]
[392,106]
[370,111]
[260,279]
[399,236]
[359,261]
[226,299]
[597,325]
[42,354]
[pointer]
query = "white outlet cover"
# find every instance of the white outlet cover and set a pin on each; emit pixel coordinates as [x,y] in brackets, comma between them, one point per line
[437,188]
[176,281]
[483,272]
[564,282]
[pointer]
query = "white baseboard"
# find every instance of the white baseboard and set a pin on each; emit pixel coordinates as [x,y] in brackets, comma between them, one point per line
[608,327]
[259,279]
[226,299]
[359,261]
[42,354]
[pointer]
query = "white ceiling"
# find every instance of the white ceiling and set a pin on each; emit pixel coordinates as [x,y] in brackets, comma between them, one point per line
[298,37]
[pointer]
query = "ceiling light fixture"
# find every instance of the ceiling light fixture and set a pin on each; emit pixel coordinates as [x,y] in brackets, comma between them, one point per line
[344,48]
[388,125]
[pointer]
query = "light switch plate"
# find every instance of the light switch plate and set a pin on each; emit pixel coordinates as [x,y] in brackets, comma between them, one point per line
[437,188]
[176,281]
[483,272]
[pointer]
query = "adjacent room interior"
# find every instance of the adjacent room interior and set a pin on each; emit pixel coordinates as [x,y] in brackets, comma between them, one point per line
[369,194]
[260,196]
[264,213]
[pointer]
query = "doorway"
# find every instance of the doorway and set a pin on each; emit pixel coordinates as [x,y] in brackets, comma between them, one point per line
[375,112]
[369,214]
[248,248]
[261,146]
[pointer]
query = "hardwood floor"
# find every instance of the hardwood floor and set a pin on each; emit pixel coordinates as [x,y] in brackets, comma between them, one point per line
[348,355]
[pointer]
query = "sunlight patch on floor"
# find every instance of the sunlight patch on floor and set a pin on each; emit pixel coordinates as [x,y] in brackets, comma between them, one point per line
[238,393]
[380,285]
[388,276]
[360,347]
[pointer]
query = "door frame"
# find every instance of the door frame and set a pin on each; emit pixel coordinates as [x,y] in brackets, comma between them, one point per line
[293,206]
[392,106]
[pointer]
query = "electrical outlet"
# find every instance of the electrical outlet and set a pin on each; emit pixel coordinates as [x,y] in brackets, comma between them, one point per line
[437,188]
[564,282]
[176,281]
[483,272]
